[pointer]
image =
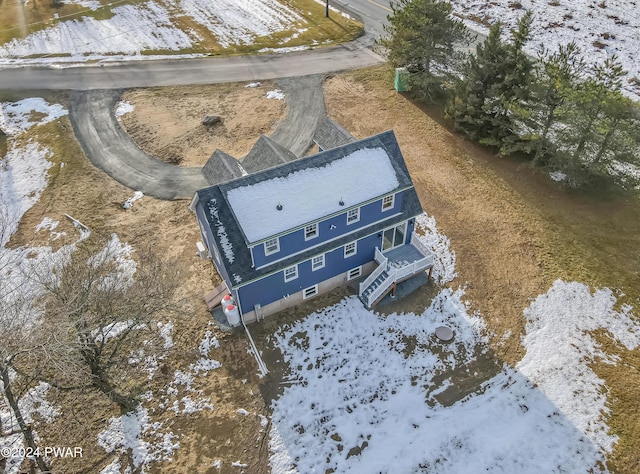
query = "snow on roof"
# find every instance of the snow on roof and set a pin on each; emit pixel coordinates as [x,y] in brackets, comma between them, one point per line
[312,193]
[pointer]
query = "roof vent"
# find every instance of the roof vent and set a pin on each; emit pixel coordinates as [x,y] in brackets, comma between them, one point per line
[341,202]
[279,207]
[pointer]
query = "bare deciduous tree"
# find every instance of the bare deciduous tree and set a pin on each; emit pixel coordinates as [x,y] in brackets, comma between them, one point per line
[21,340]
[109,308]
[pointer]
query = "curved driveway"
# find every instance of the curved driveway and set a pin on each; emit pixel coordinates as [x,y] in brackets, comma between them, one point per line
[108,147]
[111,149]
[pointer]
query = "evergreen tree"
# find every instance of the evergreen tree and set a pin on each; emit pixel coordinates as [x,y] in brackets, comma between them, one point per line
[423,37]
[556,76]
[495,84]
[601,127]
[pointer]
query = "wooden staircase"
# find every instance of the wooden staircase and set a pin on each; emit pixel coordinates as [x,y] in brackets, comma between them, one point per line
[387,275]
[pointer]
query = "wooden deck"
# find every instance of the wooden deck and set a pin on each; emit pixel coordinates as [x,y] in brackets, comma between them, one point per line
[403,256]
[395,266]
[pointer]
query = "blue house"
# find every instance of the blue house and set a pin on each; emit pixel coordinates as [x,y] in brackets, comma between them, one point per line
[288,233]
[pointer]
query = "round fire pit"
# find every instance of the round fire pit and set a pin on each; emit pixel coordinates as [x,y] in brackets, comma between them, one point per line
[444,334]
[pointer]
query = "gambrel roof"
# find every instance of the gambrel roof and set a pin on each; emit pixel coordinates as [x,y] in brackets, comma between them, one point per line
[223,202]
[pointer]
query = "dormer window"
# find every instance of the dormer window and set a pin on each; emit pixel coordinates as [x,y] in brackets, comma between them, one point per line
[311,231]
[387,202]
[353,215]
[272,246]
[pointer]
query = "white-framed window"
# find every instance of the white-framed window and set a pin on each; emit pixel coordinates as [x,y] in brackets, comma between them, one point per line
[272,246]
[353,215]
[310,292]
[387,202]
[317,262]
[350,249]
[291,273]
[311,231]
[354,273]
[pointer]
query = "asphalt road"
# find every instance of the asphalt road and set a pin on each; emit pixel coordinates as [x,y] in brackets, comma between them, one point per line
[111,149]
[147,73]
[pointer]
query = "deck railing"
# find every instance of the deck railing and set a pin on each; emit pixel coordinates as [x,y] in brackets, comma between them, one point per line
[424,250]
[395,274]
[414,267]
[382,261]
[379,256]
[382,287]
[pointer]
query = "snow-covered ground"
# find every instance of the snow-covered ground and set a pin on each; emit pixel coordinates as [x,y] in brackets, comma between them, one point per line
[23,177]
[600,28]
[147,440]
[364,387]
[150,26]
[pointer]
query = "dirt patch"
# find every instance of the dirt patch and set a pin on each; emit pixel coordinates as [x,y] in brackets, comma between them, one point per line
[167,122]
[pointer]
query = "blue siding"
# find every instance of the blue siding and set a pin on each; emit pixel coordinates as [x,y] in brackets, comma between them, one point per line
[273,287]
[411,225]
[294,242]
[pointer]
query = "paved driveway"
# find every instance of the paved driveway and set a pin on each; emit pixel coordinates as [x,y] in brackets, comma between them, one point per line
[111,149]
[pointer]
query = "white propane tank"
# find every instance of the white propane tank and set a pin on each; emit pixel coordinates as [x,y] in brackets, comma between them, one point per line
[227,300]
[232,314]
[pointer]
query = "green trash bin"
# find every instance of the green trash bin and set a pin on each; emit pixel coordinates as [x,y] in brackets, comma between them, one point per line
[401,82]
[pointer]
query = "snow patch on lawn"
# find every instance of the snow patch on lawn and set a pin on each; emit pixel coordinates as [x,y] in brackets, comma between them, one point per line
[131,30]
[125,266]
[444,263]
[560,345]
[32,403]
[23,178]
[149,26]
[124,108]
[50,225]
[600,29]
[241,21]
[276,94]
[17,117]
[126,433]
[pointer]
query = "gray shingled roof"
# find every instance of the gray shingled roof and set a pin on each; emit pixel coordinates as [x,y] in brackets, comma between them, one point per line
[221,167]
[241,265]
[331,135]
[266,153]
